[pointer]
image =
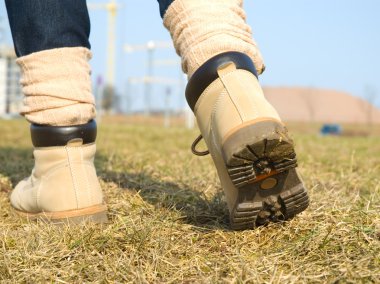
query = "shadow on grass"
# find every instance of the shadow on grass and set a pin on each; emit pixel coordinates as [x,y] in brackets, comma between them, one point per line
[195,208]
[16,163]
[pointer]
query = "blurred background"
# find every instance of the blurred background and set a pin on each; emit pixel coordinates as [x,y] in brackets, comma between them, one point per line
[322,60]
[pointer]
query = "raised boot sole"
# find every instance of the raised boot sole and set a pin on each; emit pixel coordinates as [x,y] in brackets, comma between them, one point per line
[261,162]
[94,214]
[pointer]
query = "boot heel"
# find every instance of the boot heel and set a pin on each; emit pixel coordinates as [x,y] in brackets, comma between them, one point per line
[261,161]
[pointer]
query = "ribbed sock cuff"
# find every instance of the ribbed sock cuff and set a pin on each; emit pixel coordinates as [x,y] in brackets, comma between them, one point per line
[202,29]
[57,87]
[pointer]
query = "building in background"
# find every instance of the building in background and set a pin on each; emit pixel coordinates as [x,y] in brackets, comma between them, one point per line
[10,89]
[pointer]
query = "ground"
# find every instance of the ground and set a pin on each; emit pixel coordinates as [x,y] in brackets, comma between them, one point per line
[168,219]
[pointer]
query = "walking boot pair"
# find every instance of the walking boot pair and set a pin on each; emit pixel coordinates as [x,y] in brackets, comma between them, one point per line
[250,146]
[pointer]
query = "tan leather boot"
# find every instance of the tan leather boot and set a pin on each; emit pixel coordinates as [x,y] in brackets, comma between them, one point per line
[63,185]
[249,144]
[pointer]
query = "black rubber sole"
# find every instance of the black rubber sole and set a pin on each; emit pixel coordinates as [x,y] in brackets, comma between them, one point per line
[261,162]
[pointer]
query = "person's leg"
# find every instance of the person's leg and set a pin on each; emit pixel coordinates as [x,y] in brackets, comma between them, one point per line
[39,25]
[51,42]
[164,5]
[249,144]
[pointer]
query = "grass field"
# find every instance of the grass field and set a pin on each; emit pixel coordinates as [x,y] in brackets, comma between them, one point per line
[169,224]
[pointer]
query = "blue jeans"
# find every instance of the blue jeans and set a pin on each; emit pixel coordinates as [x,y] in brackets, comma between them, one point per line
[38,25]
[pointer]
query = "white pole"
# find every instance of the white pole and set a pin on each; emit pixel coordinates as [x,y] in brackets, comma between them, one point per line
[190,119]
[167,110]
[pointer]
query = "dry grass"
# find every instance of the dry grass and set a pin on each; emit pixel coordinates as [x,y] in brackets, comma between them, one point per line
[169,222]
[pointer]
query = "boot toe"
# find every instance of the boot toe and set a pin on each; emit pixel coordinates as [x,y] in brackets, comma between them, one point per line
[15,197]
[22,197]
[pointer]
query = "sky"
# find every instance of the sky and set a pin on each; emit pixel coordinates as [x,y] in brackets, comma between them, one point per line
[323,44]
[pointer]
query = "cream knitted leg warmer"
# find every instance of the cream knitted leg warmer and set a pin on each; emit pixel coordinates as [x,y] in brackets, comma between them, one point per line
[57,87]
[202,29]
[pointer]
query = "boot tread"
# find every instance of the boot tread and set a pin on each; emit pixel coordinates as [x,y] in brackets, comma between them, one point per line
[261,161]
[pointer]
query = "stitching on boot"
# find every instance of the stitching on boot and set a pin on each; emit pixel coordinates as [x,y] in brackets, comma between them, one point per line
[213,113]
[235,103]
[38,192]
[87,180]
[72,175]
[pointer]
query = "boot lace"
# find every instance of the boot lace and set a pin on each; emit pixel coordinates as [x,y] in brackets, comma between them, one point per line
[194,147]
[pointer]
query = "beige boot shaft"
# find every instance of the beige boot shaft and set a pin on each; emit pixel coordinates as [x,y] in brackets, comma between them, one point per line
[64,178]
[230,102]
